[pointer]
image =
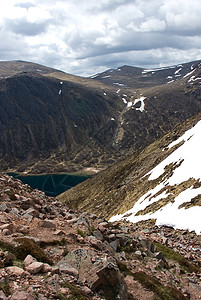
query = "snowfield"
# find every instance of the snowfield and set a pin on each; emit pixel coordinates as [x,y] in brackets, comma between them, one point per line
[188,161]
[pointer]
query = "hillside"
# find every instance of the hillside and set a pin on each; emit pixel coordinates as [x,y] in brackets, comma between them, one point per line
[161,182]
[53,122]
[49,251]
[48,123]
[133,77]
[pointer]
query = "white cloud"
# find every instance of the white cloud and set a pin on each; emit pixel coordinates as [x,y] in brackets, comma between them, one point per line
[86,36]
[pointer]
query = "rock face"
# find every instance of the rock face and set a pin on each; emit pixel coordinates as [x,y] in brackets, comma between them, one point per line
[86,257]
[99,273]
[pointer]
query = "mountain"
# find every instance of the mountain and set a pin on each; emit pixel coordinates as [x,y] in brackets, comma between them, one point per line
[54,122]
[49,119]
[78,255]
[162,182]
[134,77]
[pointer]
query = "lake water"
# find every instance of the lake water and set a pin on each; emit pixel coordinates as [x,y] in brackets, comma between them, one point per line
[51,184]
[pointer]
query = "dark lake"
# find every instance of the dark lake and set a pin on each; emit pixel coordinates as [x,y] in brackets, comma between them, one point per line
[51,184]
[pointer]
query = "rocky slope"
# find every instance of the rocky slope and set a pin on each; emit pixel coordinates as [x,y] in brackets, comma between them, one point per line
[161,182]
[54,122]
[48,251]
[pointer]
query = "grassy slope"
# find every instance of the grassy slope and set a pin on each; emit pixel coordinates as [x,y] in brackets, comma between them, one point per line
[116,189]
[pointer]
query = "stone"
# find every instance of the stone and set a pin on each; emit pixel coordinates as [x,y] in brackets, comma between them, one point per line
[6,232]
[48,224]
[66,268]
[23,229]
[35,267]
[15,271]
[32,212]
[98,234]
[3,207]
[95,242]
[97,272]
[10,227]
[147,243]
[29,260]
[8,258]
[2,296]
[46,268]
[159,255]
[103,226]
[115,245]
[138,253]
[21,295]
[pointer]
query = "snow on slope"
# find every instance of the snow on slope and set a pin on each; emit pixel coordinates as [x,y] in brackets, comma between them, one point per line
[187,158]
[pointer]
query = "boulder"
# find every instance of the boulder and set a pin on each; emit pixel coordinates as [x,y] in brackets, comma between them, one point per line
[35,267]
[15,271]
[100,273]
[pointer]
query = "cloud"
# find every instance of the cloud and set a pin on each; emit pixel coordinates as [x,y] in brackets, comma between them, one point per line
[87,36]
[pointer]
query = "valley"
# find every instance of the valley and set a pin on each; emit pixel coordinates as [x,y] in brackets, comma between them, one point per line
[104,200]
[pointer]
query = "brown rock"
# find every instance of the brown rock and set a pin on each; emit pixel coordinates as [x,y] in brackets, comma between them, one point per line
[49,224]
[9,227]
[66,268]
[46,268]
[15,271]
[103,226]
[35,267]
[2,296]
[29,260]
[21,295]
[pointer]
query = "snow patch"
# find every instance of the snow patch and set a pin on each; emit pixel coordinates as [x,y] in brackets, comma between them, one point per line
[129,104]
[60,91]
[177,71]
[124,100]
[141,99]
[120,84]
[187,156]
[106,76]
[188,74]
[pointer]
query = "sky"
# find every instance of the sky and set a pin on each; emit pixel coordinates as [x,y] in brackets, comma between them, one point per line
[84,37]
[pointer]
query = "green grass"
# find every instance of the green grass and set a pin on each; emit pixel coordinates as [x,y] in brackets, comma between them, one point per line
[27,246]
[81,233]
[162,291]
[77,294]
[177,257]
[5,288]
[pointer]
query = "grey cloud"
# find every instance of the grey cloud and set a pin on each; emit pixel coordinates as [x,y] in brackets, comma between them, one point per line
[26,28]
[24,5]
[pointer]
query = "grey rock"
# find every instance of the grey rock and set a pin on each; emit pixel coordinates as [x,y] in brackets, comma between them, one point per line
[98,234]
[49,224]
